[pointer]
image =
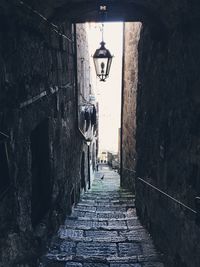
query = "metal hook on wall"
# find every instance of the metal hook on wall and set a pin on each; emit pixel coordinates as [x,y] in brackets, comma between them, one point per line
[103,10]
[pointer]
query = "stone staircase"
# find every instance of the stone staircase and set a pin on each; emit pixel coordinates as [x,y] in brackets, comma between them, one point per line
[103,231]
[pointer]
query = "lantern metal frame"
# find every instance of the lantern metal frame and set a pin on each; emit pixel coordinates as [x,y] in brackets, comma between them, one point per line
[102,61]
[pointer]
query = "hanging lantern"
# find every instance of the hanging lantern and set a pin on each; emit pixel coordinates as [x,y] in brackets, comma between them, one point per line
[102,61]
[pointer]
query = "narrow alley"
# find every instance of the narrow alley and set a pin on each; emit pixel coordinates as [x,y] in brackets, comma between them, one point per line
[103,230]
[88,82]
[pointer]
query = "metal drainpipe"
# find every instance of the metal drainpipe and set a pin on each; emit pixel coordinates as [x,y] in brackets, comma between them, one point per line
[89,182]
[122,106]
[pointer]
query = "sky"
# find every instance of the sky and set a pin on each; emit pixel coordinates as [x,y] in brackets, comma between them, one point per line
[108,93]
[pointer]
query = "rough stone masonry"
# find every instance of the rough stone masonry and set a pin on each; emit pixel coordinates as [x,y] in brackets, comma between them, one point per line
[39,140]
[167,128]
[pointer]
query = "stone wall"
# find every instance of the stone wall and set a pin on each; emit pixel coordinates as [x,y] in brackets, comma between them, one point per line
[39,139]
[129,94]
[168,136]
[87,105]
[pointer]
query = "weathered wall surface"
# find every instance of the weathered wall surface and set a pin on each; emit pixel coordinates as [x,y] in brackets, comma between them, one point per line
[38,114]
[129,95]
[87,105]
[168,112]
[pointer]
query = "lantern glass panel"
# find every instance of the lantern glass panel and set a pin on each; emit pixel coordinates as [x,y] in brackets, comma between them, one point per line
[96,64]
[108,66]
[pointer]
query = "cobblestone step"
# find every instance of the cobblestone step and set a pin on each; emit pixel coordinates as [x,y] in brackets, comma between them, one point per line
[103,231]
[103,214]
[107,207]
[103,225]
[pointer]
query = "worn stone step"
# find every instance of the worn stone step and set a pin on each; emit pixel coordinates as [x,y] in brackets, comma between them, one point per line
[103,231]
[110,249]
[93,264]
[105,235]
[102,225]
[103,204]
[104,213]
[108,198]
[132,261]
[87,205]
[103,217]
[108,207]
[110,195]
[111,218]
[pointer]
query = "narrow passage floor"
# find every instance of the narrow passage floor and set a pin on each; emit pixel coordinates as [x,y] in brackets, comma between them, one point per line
[103,231]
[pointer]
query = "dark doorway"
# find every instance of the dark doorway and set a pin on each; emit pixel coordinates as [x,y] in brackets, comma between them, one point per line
[41,180]
[4,171]
[83,185]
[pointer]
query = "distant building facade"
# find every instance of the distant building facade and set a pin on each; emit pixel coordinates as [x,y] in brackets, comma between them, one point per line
[103,157]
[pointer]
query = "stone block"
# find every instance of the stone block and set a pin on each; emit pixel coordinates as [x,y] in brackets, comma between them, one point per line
[96,249]
[129,249]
